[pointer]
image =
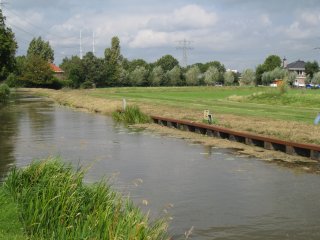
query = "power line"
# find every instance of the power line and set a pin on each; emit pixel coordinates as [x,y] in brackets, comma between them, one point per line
[184,46]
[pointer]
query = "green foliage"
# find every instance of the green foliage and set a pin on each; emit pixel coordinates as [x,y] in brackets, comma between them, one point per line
[228,78]
[10,226]
[86,85]
[248,77]
[131,115]
[54,203]
[192,76]
[12,81]
[74,70]
[37,72]
[113,61]
[174,76]
[167,62]
[277,73]
[94,70]
[8,47]
[283,86]
[311,68]
[270,63]
[40,48]
[292,76]
[211,76]
[316,78]
[156,76]
[4,92]
[139,77]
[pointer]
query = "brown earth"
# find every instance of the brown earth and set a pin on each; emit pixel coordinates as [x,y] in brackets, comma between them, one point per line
[290,131]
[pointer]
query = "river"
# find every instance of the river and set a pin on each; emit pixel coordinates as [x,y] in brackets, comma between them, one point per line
[214,192]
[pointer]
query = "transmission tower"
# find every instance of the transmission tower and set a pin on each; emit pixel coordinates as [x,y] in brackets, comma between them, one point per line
[184,45]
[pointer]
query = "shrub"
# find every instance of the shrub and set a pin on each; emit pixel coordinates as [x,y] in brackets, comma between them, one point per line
[4,92]
[55,204]
[131,115]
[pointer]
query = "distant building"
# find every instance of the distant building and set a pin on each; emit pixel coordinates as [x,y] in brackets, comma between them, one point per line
[57,72]
[299,68]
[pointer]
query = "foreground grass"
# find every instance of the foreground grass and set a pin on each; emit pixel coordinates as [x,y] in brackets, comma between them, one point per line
[10,226]
[53,203]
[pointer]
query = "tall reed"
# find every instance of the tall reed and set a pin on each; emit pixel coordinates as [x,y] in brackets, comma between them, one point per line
[131,115]
[54,203]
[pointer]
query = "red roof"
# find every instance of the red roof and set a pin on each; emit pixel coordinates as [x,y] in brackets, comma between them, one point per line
[55,68]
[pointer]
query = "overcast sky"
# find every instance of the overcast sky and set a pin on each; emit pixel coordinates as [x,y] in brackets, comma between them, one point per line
[238,33]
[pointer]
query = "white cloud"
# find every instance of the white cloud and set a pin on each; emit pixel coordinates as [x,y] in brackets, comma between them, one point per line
[265,20]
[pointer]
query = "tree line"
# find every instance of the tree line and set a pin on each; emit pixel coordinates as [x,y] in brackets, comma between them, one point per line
[114,70]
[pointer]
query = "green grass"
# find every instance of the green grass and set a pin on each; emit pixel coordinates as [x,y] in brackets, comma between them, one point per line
[295,105]
[10,226]
[53,203]
[131,115]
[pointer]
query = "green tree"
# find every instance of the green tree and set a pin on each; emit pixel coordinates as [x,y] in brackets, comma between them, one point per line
[8,47]
[247,77]
[139,76]
[311,68]
[316,78]
[40,48]
[228,78]
[212,75]
[74,71]
[113,60]
[167,62]
[132,65]
[292,76]
[174,76]
[37,72]
[156,76]
[192,76]
[93,69]
[270,63]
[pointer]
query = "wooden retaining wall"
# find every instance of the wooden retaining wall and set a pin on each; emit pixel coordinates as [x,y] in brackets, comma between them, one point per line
[306,150]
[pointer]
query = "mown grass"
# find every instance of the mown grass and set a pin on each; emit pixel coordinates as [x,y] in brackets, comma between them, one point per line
[131,115]
[53,203]
[295,105]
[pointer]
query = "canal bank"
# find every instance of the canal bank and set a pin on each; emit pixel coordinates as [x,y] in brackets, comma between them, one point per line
[210,190]
[79,99]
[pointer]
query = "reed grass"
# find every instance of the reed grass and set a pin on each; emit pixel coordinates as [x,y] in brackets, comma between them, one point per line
[4,92]
[54,203]
[131,115]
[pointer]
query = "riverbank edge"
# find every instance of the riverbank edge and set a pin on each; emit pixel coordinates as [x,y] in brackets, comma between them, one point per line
[82,101]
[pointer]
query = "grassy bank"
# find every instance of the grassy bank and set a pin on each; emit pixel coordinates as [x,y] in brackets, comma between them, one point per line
[53,203]
[10,226]
[259,110]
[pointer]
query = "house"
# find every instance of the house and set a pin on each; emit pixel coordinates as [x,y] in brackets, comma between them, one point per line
[57,72]
[299,68]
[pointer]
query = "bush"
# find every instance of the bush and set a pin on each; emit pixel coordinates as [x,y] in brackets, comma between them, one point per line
[86,85]
[55,204]
[132,115]
[4,92]
[12,81]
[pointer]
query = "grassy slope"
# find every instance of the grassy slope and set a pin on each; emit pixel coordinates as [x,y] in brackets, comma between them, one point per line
[296,105]
[260,110]
[10,226]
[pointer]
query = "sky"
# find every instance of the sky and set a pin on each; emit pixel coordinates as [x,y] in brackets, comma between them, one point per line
[238,33]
